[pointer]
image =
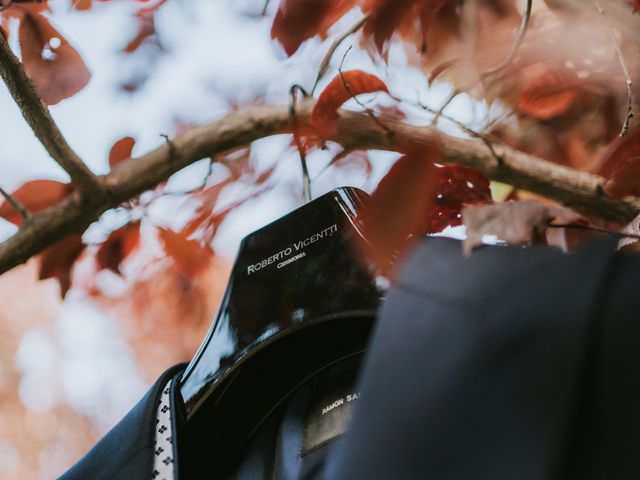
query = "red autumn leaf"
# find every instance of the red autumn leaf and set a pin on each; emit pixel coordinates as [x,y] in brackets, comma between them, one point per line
[34,196]
[636,6]
[625,180]
[121,150]
[265,175]
[118,246]
[57,261]
[54,66]
[548,96]
[457,186]
[151,9]
[238,162]
[30,6]
[207,219]
[189,256]
[387,16]
[340,89]
[146,30]
[619,152]
[299,20]
[398,206]
[209,195]
[435,73]
[82,5]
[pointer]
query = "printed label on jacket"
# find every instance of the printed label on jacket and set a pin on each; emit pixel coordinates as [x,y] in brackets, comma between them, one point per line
[329,411]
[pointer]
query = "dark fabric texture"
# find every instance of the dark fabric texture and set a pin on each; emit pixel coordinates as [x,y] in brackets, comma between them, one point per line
[606,418]
[277,450]
[513,363]
[126,451]
[510,364]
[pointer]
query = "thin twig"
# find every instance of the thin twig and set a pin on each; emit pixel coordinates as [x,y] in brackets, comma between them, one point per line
[444,106]
[15,203]
[479,135]
[326,60]
[293,118]
[45,129]
[367,110]
[524,24]
[625,70]
[591,228]
[265,7]
[497,119]
[169,145]
[199,188]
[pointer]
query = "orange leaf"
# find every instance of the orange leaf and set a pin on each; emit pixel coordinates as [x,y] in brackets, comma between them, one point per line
[151,9]
[435,72]
[399,205]
[34,196]
[384,18]
[82,4]
[146,30]
[32,7]
[57,261]
[548,96]
[189,256]
[297,20]
[207,220]
[341,89]
[118,246]
[53,65]
[121,150]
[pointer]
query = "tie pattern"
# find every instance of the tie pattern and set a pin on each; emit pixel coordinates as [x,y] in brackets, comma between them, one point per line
[163,466]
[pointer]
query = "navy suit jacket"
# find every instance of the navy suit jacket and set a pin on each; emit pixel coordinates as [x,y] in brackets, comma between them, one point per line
[513,363]
[510,364]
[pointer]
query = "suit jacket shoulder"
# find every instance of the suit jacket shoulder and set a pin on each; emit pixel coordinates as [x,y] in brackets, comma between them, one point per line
[476,364]
[126,451]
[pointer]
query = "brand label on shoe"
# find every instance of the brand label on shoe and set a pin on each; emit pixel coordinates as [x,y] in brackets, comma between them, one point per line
[292,252]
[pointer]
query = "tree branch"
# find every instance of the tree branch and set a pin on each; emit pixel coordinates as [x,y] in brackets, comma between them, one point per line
[37,115]
[578,190]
